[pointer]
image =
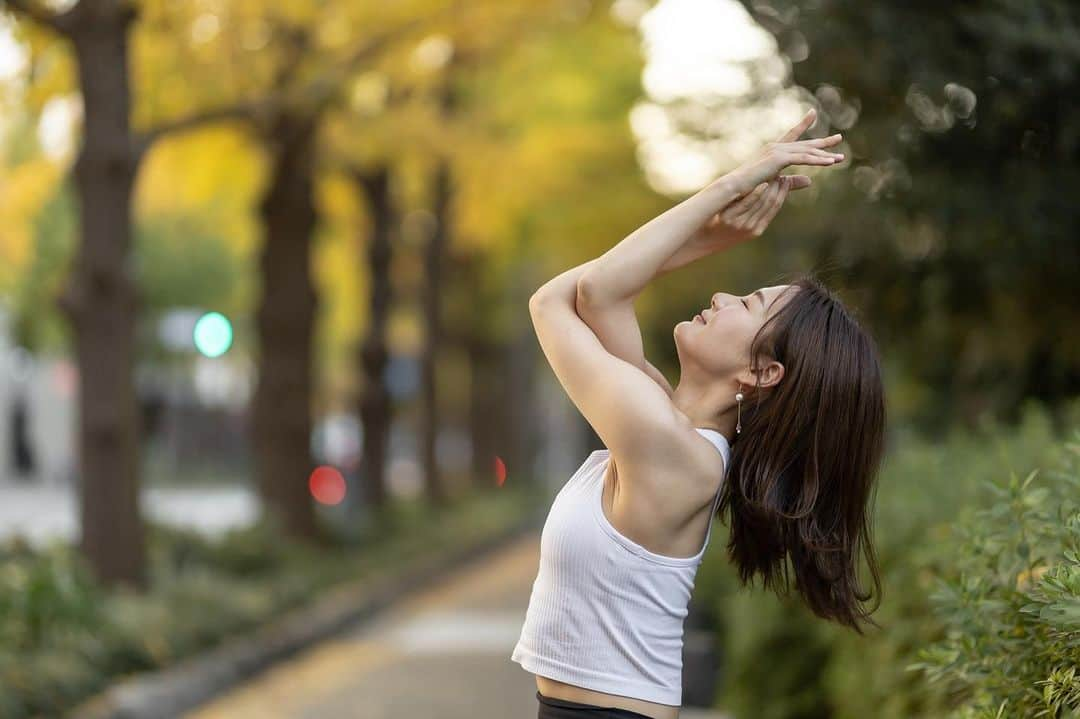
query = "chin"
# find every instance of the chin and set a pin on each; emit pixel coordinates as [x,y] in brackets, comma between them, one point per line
[686,324]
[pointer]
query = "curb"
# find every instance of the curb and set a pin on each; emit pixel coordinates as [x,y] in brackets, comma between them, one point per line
[191,682]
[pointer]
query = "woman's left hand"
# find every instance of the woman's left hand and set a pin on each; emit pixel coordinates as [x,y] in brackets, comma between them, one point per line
[749,215]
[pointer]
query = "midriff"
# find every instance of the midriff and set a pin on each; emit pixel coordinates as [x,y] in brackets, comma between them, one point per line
[569,692]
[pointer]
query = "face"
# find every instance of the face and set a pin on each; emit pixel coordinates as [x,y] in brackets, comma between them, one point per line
[717,341]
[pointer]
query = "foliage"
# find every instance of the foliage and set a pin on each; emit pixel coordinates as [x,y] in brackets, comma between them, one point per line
[180,262]
[955,227]
[539,144]
[36,319]
[1011,601]
[62,637]
[780,661]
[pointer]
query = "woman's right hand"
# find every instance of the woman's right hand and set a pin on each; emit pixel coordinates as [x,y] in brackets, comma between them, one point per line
[786,151]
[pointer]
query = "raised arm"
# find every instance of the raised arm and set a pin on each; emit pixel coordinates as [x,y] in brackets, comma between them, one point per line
[634,418]
[613,318]
[721,215]
[627,268]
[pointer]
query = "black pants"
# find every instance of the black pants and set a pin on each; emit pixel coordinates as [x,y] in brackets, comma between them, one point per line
[552,708]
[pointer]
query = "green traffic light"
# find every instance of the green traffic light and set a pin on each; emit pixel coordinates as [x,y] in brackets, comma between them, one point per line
[213,334]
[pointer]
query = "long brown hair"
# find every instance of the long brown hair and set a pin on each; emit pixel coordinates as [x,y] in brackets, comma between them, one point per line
[802,478]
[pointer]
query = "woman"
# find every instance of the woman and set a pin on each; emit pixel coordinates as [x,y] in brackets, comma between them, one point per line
[777,421]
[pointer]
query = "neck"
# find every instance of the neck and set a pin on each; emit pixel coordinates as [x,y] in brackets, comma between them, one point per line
[710,406]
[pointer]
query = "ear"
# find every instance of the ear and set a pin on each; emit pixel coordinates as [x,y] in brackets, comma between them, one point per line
[768,375]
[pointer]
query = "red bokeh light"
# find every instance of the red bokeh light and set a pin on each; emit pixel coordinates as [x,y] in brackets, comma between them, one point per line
[500,471]
[327,485]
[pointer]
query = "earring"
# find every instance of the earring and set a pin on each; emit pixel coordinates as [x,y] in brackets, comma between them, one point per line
[739,399]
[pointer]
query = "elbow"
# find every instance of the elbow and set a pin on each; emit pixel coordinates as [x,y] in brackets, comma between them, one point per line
[538,300]
[593,296]
[587,291]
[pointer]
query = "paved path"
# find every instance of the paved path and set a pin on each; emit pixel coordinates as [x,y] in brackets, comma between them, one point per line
[444,653]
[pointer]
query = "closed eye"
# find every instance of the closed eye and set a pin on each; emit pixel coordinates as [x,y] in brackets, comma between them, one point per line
[744,303]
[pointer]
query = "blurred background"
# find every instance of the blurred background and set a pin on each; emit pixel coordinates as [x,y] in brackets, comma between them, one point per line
[264,272]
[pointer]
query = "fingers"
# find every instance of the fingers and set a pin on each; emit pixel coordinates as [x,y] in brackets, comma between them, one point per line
[750,198]
[813,158]
[759,203]
[815,147]
[797,182]
[802,153]
[824,141]
[759,197]
[745,204]
[800,127]
[770,213]
[800,148]
[757,209]
[777,190]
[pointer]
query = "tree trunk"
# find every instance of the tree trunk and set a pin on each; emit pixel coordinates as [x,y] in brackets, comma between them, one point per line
[282,402]
[434,254]
[432,307]
[487,392]
[472,308]
[521,356]
[519,407]
[375,406]
[101,300]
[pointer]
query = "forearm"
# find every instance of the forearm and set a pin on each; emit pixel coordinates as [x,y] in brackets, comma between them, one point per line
[694,249]
[565,286]
[656,247]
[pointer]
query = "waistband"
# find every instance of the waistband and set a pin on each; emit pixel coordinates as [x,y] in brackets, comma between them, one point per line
[614,712]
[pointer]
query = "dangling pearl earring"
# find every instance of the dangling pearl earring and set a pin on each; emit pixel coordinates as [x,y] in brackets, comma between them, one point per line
[738,421]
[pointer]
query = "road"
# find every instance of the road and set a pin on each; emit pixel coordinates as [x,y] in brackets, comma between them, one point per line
[444,652]
[44,512]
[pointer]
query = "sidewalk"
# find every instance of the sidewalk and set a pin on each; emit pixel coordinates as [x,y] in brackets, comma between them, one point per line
[445,652]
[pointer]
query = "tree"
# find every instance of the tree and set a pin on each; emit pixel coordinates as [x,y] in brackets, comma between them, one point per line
[955,224]
[421,118]
[100,300]
[375,407]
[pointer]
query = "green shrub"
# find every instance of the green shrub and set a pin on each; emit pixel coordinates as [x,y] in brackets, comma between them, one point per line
[244,551]
[779,661]
[43,594]
[63,638]
[1011,601]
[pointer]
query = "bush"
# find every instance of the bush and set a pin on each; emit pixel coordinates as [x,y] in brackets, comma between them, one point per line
[779,661]
[1011,601]
[63,638]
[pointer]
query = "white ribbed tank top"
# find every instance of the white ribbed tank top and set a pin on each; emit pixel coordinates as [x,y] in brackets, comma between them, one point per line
[606,613]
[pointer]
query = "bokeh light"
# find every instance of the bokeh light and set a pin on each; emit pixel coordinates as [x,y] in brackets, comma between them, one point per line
[213,334]
[500,471]
[327,485]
